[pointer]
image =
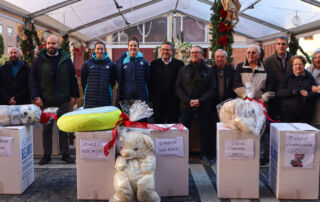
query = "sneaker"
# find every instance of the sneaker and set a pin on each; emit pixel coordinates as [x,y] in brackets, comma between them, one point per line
[45,159]
[67,158]
[205,161]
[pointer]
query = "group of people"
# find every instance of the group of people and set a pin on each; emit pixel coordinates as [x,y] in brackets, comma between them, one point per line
[177,92]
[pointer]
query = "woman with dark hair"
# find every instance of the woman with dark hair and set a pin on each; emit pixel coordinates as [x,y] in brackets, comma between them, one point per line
[98,77]
[133,74]
[295,91]
[314,69]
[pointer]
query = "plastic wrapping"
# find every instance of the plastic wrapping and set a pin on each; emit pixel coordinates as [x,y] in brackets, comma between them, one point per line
[244,115]
[136,109]
[12,115]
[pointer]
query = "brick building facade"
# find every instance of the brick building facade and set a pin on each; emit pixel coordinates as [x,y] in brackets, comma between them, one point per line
[9,34]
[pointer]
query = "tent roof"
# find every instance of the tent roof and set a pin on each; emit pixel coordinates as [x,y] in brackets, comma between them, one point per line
[91,19]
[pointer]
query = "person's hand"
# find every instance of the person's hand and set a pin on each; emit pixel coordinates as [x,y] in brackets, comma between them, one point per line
[12,101]
[316,89]
[38,102]
[194,103]
[72,101]
[304,93]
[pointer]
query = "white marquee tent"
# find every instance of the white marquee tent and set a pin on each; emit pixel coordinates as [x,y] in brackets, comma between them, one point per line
[88,20]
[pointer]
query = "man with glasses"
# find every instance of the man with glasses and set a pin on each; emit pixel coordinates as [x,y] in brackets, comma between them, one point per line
[196,88]
[279,65]
[253,71]
[164,72]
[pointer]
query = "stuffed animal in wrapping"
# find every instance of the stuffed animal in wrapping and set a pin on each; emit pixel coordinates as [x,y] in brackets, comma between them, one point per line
[134,168]
[244,115]
[11,115]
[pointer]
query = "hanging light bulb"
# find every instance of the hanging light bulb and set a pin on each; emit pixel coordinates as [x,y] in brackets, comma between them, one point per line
[296,19]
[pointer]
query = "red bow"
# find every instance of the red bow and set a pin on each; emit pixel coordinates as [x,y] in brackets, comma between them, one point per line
[127,123]
[45,117]
[264,111]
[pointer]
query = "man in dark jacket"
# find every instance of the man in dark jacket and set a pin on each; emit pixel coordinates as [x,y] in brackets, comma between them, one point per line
[279,65]
[14,79]
[196,87]
[53,83]
[224,77]
[164,72]
[98,77]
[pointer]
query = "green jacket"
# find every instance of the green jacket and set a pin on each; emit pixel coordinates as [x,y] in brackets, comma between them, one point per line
[42,83]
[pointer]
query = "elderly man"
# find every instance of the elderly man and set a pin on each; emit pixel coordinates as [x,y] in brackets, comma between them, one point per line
[256,73]
[279,65]
[164,72]
[196,87]
[53,83]
[224,77]
[14,79]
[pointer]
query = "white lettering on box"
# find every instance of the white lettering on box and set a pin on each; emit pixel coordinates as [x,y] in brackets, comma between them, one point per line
[299,150]
[239,148]
[169,146]
[6,146]
[92,149]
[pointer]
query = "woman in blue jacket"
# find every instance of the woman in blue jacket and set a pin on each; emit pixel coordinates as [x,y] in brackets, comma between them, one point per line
[98,77]
[133,73]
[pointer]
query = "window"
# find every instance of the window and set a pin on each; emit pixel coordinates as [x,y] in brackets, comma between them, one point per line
[0,29]
[10,30]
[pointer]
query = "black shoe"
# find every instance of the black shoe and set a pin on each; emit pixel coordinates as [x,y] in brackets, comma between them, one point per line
[67,158]
[45,159]
[205,161]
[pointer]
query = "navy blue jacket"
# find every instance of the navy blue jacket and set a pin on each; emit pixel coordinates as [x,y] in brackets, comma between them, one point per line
[133,77]
[11,86]
[97,79]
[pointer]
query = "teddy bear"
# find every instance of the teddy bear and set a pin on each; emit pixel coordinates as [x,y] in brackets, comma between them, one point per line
[30,114]
[134,168]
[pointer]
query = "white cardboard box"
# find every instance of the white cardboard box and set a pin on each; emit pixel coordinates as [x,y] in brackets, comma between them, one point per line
[38,140]
[94,176]
[171,175]
[292,182]
[237,178]
[16,159]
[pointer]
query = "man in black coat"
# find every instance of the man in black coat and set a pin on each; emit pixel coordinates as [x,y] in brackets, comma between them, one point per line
[224,77]
[14,76]
[196,87]
[164,72]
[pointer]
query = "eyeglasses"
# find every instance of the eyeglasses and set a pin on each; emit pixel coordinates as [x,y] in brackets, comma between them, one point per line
[281,44]
[249,52]
[196,52]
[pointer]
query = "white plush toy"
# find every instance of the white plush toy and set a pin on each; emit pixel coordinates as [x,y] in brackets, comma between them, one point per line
[11,115]
[134,168]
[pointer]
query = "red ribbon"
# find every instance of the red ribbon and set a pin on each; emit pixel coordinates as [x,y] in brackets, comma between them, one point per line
[264,111]
[45,117]
[124,119]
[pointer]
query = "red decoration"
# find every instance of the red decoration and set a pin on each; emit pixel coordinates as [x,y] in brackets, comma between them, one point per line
[223,40]
[223,28]
[223,13]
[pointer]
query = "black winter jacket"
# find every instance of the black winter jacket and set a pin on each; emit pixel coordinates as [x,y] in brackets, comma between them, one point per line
[227,84]
[289,92]
[136,69]
[11,86]
[97,79]
[205,87]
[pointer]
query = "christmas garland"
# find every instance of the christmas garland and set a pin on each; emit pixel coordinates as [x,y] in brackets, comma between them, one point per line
[65,43]
[221,30]
[294,46]
[28,45]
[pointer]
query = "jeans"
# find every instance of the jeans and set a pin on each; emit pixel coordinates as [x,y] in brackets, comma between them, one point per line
[63,136]
[206,143]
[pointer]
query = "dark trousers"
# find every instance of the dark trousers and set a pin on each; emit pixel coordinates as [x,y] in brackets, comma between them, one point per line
[165,116]
[205,129]
[63,136]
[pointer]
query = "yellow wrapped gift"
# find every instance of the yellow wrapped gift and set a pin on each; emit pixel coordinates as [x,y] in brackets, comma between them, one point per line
[92,119]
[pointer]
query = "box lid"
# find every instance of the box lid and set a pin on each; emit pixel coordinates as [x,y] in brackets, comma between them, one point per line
[293,127]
